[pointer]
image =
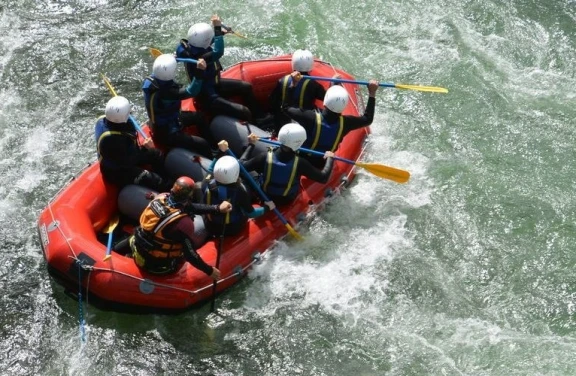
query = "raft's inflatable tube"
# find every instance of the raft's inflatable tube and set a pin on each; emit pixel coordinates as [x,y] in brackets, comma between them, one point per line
[132,200]
[182,162]
[236,133]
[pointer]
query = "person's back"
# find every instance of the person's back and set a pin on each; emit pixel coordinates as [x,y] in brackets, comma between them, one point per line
[162,98]
[292,91]
[121,158]
[327,129]
[207,42]
[281,168]
[165,237]
[226,186]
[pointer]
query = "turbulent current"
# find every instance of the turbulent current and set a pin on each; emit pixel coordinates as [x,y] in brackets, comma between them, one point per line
[466,270]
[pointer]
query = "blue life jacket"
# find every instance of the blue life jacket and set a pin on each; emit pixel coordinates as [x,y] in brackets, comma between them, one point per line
[163,114]
[211,75]
[325,136]
[215,194]
[103,129]
[300,97]
[279,178]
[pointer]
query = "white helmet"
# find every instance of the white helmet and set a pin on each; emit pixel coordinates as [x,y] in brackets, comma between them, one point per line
[200,35]
[118,110]
[164,67]
[292,135]
[302,61]
[226,170]
[336,99]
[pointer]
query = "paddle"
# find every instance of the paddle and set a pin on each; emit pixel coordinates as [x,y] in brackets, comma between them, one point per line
[109,229]
[113,92]
[432,89]
[265,198]
[218,255]
[156,52]
[230,31]
[382,171]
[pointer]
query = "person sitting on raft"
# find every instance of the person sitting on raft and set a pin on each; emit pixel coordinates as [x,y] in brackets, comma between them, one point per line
[165,237]
[121,157]
[327,128]
[280,169]
[300,93]
[226,186]
[163,97]
[206,42]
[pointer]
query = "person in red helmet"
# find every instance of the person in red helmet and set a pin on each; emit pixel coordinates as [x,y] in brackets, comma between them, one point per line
[165,237]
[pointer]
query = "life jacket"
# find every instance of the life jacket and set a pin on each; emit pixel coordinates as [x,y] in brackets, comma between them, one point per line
[215,194]
[300,97]
[210,76]
[149,238]
[279,178]
[325,136]
[163,114]
[104,129]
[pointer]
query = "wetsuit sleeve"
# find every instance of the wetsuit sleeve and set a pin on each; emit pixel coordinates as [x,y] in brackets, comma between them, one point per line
[306,118]
[194,87]
[185,228]
[246,205]
[355,122]
[175,93]
[217,50]
[210,168]
[195,208]
[305,168]
[255,164]
[247,153]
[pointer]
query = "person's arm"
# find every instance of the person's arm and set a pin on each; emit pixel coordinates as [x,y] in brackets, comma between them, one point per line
[355,122]
[247,153]
[197,208]
[243,200]
[217,50]
[185,229]
[306,118]
[256,163]
[305,168]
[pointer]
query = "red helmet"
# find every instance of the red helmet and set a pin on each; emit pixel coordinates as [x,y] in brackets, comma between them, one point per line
[182,189]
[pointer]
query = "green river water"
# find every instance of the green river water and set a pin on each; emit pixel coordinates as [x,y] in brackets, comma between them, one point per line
[466,270]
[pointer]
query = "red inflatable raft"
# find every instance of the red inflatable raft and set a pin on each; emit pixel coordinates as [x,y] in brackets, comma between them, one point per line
[72,227]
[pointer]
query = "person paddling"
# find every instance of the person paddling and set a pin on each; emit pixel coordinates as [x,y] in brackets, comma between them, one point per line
[165,237]
[163,97]
[294,91]
[206,42]
[327,128]
[121,157]
[280,169]
[226,186]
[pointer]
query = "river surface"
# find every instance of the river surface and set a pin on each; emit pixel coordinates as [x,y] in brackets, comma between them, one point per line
[466,270]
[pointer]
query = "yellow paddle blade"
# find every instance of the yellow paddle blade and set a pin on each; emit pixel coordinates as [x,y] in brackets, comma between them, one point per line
[293,232]
[109,85]
[239,35]
[111,225]
[385,172]
[432,89]
[154,52]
